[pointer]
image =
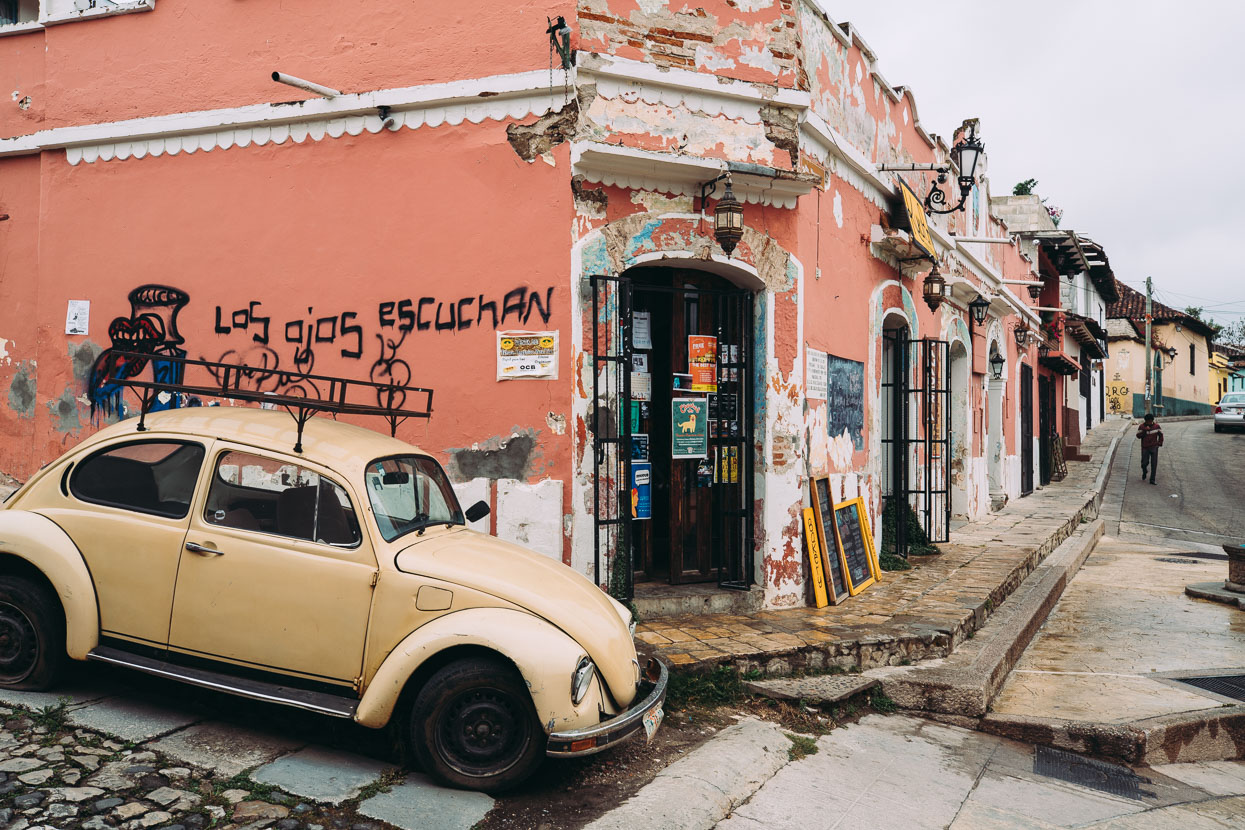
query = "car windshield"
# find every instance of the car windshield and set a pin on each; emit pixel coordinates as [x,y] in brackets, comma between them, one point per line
[410,492]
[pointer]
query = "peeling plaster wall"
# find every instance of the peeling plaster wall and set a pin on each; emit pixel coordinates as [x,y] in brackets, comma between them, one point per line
[752,40]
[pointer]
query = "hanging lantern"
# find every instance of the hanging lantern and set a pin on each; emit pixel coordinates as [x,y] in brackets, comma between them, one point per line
[1035,291]
[979,307]
[1043,348]
[1021,333]
[996,365]
[728,220]
[934,289]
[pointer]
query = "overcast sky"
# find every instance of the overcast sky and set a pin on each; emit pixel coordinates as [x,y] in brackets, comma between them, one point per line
[1129,113]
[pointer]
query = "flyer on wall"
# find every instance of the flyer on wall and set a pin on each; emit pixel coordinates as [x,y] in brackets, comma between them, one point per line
[527,354]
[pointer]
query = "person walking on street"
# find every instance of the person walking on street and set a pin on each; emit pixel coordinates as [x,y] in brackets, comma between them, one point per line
[1151,435]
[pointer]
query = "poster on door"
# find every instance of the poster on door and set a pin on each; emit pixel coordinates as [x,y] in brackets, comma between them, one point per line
[689,428]
[642,491]
[702,362]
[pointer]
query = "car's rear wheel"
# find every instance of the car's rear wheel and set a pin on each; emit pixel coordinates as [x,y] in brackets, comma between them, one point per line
[32,635]
[1218,428]
[473,726]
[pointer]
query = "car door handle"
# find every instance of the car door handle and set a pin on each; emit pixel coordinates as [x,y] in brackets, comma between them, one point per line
[203,550]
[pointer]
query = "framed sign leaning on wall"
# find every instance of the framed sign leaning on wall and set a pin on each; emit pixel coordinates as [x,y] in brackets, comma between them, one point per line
[855,545]
[834,568]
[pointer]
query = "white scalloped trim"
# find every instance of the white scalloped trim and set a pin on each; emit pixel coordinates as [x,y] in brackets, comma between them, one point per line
[711,105]
[317,130]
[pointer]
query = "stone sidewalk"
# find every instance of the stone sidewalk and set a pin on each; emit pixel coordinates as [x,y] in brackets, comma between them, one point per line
[908,615]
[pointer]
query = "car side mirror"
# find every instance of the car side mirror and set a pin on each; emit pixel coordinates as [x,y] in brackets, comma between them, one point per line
[477,511]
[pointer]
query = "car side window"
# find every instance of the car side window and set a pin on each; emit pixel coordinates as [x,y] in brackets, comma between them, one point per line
[250,492]
[156,477]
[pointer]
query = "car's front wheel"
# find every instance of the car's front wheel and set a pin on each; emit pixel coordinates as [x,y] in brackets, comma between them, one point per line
[32,635]
[473,726]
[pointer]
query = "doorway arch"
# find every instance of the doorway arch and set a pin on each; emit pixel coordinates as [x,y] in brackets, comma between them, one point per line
[961,441]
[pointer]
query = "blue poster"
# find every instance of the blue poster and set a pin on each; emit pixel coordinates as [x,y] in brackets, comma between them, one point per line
[641,491]
[845,399]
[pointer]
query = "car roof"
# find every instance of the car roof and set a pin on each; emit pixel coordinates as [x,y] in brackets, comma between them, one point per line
[333,443]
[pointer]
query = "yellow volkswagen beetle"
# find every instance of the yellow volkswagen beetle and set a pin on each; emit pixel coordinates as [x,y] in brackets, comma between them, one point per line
[341,579]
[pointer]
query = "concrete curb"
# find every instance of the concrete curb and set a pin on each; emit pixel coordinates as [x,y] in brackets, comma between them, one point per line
[702,789]
[1204,735]
[966,682]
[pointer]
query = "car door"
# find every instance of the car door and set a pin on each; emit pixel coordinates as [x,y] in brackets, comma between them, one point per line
[126,506]
[275,572]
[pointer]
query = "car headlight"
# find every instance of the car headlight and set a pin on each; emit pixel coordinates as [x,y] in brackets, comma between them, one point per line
[581,679]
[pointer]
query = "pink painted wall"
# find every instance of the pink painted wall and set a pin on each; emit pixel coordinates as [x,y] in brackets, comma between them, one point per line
[187,55]
[309,232]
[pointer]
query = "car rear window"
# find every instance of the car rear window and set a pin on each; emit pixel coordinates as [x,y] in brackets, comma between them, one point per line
[155,477]
[1232,400]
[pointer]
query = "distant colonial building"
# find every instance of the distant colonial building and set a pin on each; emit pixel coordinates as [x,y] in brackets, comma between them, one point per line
[1181,348]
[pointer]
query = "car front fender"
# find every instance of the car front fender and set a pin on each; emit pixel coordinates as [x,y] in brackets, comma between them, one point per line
[545,656]
[44,545]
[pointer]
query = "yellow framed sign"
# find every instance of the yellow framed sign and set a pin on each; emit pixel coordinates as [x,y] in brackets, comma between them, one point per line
[833,569]
[814,559]
[855,545]
[918,227]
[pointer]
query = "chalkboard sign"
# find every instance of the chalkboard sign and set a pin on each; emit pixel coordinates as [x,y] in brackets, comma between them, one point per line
[832,562]
[855,543]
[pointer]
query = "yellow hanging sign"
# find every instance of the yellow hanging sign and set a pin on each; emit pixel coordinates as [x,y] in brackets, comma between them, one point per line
[918,227]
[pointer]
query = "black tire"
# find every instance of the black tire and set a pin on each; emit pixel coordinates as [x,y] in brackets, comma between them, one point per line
[1218,428]
[473,726]
[32,635]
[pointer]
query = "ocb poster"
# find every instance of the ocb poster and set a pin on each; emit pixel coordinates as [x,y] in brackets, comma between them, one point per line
[527,354]
[689,428]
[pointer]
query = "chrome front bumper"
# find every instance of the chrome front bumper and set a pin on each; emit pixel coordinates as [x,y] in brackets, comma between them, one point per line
[592,739]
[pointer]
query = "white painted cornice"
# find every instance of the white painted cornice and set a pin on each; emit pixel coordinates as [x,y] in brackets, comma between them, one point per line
[629,167]
[695,91]
[497,97]
[49,15]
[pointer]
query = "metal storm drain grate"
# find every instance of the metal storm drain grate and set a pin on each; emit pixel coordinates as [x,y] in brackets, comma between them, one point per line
[1228,685]
[1087,772]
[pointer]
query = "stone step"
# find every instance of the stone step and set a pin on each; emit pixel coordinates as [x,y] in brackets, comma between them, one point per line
[816,690]
[658,599]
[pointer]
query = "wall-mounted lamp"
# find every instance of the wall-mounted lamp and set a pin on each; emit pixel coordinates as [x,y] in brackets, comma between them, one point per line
[560,41]
[728,214]
[996,365]
[934,289]
[1035,291]
[978,308]
[1021,332]
[1043,348]
[964,155]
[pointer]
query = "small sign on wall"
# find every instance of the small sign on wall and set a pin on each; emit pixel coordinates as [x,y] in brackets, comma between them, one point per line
[527,355]
[815,382]
[78,317]
[689,428]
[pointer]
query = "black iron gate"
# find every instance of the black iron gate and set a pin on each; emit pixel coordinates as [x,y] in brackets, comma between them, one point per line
[917,382]
[729,463]
[611,433]
[731,441]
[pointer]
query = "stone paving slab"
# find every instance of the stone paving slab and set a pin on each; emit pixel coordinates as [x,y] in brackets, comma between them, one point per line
[226,750]
[815,690]
[321,774]
[908,615]
[417,803]
[129,720]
